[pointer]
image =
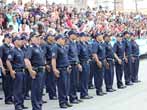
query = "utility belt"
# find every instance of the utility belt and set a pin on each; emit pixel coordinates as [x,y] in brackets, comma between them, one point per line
[19,70]
[120,57]
[39,69]
[73,63]
[110,59]
[135,56]
[128,56]
[64,68]
[101,59]
[84,61]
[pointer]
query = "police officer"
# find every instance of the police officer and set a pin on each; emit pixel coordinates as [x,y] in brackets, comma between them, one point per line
[119,60]
[75,66]
[91,62]
[61,69]
[84,61]
[16,65]
[99,57]
[127,63]
[109,67]
[27,82]
[7,82]
[50,80]
[35,62]
[135,59]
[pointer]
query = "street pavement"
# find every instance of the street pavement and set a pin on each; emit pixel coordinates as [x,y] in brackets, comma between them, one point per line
[131,98]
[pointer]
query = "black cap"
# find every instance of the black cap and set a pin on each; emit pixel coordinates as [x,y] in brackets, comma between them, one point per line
[59,36]
[72,33]
[106,35]
[119,35]
[33,35]
[82,34]
[23,37]
[125,32]
[7,36]
[132,34]
[97,35]
[15,39]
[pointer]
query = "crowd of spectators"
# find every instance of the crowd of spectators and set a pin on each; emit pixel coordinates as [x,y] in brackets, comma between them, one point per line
[57,18]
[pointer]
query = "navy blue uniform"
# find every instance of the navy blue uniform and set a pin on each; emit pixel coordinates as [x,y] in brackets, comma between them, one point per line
[109,72]
[91,76]
[60,53]
[74,60]
[16,57]
[36,55]
[99,49]
[50,80]
[127,65]
[135,60]
[27,83]
[84,75]
[7,82]
[119,50]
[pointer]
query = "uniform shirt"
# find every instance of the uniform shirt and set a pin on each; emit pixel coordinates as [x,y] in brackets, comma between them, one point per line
[49,49]
[36,55]
[109,50]
[127,47]
[25,49]
[60,53]
[83,51]
[119,49]
[135,48]
[99,49]
[16,57]
[89,43]
[4,52]
[73,52]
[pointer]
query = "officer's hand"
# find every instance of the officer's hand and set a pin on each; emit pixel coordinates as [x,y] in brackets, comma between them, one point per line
[4,71]
[13,74]
[107,66]
[69,69]
[57,73]
[48,68]
[33,74]
[80,68]
[99,64]
[120,61]
[133,60]
[126,60]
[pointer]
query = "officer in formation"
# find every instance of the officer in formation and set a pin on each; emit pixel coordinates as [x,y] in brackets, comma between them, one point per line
[84,58]
[99,58]
[61,68]
[75,66]
[27,79]
[119,53]
[109,67]
[16,65]
[135,59]
[6,77]
[127,58]
[62,61]
[35,63]
[50,80]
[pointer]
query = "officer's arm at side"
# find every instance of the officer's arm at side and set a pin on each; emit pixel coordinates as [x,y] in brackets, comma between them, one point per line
[9,65]
[28,65]
[54,65]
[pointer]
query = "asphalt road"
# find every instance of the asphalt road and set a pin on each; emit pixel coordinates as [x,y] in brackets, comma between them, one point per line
[131,98]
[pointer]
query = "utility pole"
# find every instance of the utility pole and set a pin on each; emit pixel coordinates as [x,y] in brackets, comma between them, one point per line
[115,6]
[136,5]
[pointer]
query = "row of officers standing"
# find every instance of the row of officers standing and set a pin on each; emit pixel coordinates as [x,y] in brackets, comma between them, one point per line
[69,62]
